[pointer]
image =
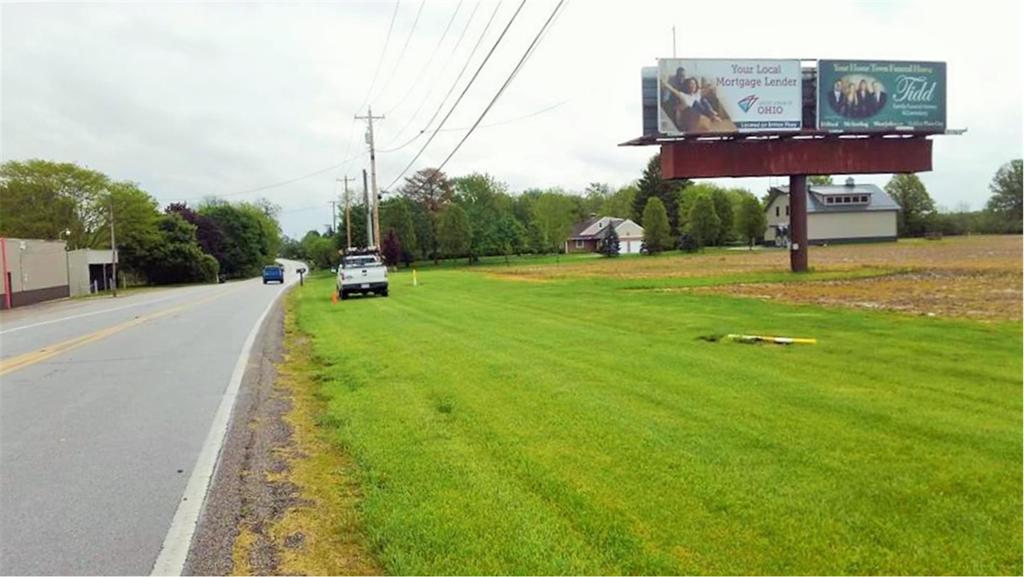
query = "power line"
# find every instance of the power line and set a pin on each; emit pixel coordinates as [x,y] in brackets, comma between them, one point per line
[463,94]
[511,120]
[515,71]
[401,54]
[279,183]
[511,76]
[380,60]
[491,125]
[451,89]
[430,60]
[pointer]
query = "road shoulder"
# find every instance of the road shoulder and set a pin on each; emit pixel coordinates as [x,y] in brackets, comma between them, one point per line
[283,500]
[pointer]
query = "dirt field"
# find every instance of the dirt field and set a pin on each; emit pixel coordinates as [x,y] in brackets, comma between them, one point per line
[968,277]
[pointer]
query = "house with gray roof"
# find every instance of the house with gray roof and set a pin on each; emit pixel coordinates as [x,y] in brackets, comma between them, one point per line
[835,214]
[588,235]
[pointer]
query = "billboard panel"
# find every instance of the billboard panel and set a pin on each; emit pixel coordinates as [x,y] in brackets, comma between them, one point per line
[707,96]
[881,96]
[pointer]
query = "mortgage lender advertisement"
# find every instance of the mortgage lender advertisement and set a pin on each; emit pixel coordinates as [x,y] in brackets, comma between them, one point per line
[706,96]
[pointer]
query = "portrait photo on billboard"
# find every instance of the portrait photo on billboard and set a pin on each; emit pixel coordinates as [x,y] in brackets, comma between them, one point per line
[707,96]
[857,96]
[881,96]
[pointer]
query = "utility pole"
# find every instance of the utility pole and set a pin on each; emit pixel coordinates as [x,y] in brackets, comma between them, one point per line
[334,216]
[369,118]
[348,214]
[369,213]
[113,243]
[673,41]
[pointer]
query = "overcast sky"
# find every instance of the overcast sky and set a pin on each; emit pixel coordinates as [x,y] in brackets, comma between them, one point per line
[195,99]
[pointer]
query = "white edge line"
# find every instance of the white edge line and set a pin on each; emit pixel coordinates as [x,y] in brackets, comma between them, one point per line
[175,549]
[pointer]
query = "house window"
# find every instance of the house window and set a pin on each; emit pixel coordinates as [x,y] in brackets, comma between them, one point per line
[787,210]
[864,198]
[776,211]
[579,243]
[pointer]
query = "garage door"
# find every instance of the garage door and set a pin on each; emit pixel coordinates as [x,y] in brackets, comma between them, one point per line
[629,246]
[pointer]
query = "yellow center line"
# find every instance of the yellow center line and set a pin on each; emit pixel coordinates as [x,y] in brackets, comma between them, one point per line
[28,359]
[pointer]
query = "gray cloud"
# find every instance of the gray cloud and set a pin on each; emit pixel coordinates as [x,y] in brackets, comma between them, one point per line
[193,99]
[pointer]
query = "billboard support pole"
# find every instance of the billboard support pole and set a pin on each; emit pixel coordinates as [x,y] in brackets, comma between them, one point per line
[798,222]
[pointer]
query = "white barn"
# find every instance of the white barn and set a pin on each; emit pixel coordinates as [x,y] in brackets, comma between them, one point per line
[836,213]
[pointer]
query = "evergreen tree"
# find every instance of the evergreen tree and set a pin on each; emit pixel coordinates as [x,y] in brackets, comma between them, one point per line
[703,222]
[651,185]
[610,244]
[657,232]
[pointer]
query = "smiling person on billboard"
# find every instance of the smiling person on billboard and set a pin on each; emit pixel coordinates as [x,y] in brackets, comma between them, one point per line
[694,108]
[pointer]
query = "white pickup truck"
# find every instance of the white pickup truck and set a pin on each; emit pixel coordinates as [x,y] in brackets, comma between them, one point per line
[362,273]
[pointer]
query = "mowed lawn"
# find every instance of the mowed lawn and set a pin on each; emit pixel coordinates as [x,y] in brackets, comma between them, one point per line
[575,426]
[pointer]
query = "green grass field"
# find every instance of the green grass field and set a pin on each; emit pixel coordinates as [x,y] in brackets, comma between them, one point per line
[582,426]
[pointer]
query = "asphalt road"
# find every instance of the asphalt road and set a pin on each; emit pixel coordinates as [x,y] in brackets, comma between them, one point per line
[105,408]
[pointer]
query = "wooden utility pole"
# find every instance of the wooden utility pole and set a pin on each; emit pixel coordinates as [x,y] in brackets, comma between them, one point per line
[348,214]
[369,118]
[113,243]
[369,213]
[334,216]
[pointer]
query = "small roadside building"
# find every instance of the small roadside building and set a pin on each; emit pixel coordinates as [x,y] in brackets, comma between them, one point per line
[36,270]
[835,214]
[588,235]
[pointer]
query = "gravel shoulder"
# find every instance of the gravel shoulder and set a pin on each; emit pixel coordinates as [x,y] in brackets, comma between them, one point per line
[283,500]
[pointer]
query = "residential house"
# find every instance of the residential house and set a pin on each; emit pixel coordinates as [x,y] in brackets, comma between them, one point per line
[588,235]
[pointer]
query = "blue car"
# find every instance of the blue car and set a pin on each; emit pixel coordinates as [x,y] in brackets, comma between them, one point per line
[273,273]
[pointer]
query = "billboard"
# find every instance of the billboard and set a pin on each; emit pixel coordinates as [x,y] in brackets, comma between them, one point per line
[707,96]
[881,96]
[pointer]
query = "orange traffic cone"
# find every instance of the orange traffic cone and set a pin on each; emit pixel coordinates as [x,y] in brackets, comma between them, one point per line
[334,297]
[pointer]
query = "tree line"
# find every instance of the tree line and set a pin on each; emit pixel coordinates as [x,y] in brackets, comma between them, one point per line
[179,244]
[919,215]
[432,216]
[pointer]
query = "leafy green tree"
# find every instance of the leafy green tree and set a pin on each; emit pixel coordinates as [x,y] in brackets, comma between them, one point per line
[176,256]
[453,232]
[610,246]
[136,219]
[43,199]
[244,242]
[916,206]
[1007,200]
[510,236]
[819,180]
[486,202]
[657,231]
[318,250]
[751,220]
[553,215]
[620,203]
[724,211]
[703,223]
[594,197]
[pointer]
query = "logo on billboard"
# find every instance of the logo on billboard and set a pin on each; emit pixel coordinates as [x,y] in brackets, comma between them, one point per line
[747,103]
